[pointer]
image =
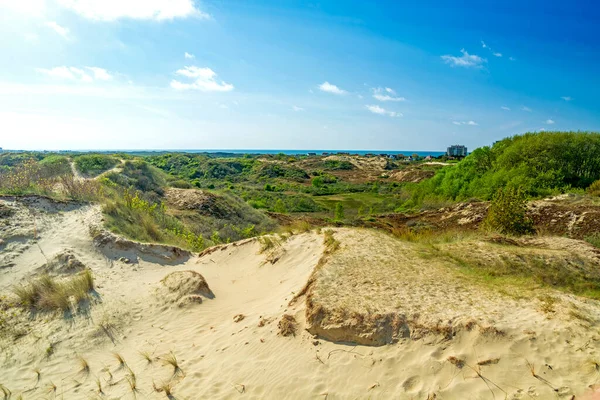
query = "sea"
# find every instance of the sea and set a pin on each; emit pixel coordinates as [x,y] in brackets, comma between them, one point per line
[421,153]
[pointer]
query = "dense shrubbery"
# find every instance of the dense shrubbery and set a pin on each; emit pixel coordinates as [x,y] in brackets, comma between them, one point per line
[139,175]
[337,165]
[539,163]
[94,164]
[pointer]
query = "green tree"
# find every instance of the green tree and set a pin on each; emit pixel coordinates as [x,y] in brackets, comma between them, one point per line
[508,213]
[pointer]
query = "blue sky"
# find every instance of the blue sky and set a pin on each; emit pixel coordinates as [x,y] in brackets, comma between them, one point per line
[266,74]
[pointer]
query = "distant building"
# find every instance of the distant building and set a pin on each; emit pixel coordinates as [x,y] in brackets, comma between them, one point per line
[457,150]
[0,149]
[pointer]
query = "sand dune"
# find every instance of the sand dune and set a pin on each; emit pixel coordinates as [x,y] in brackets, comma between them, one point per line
[460,341]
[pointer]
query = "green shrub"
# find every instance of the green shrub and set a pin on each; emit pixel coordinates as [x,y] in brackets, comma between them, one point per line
[94,164]
[594,188]
[339,212]
[594,239]
[508,213]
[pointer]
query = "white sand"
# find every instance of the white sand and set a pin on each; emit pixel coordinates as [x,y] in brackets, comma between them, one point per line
[224,359]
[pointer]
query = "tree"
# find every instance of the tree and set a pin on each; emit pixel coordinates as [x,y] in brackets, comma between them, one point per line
[508,213]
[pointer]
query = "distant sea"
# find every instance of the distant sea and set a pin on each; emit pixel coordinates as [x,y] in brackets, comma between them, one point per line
[319,152]
[255,151]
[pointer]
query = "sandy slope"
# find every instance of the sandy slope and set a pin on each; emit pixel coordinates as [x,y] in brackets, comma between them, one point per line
[221,358]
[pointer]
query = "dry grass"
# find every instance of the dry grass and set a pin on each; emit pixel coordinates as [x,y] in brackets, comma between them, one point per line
[146,355]
[84,367]
[99,386]
[48,293]
[171,359]
[5,391]
[132,382]
[287,325]
[331,244]
[120,360]
[165,387]
[268,243]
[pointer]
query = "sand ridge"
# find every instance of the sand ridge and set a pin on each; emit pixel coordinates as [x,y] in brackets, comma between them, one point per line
[220,355]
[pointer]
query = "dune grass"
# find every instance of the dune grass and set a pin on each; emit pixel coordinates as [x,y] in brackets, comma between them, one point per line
[48,293]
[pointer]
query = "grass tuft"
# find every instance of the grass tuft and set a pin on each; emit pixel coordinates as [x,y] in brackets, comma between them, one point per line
[146,355]
[165,387]
[171,360]
[120,360]
[48,293]
[268,242]
[84,367]
[5,391]
[287,325]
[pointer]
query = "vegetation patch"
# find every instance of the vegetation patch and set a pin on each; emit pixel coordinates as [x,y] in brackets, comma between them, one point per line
[567,265]
[49,294]
[94,164]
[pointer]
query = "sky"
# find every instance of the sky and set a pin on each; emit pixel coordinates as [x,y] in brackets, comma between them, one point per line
[272,74]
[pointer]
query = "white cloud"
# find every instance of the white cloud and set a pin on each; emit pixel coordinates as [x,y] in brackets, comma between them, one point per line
[296,108]
[497,54]
[100,73]
[110,10]
[483,44]
[524,108]
[375,109]
[466,60]
[329,88]
[203,80]
[61,30]
[549,121]
[511,58]
[542,129]
[189,56]
[505,108]
[380,94]
[471,123]
[31,7]
[567,98]
[77,74]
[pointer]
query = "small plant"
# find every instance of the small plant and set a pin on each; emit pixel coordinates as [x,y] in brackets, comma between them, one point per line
[338,213]
[287,325]
[593,239]
[331,243]
[51,388]
[165,387]
[84,367]
[38,375]
[99,386]
[120,360]
[146,355]
[171,360]
[5,391]
[268,243]
[132,382]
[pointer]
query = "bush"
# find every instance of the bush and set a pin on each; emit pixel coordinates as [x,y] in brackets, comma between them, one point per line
[508,213]
[339,212]
[94,164]
[594,188]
